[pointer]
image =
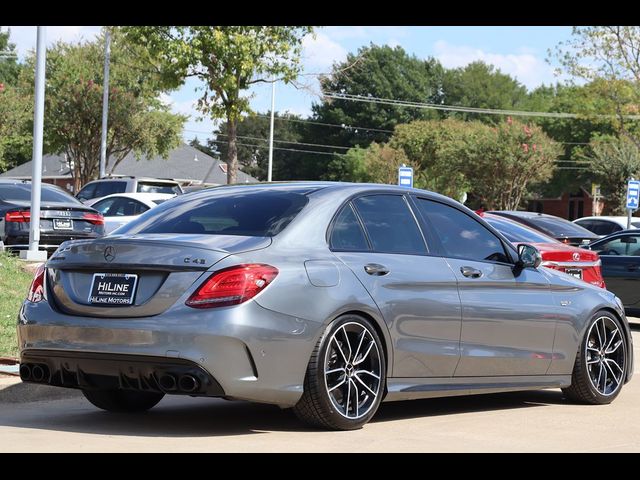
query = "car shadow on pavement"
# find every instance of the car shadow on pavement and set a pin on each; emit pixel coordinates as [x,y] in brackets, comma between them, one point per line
[432,407]
[185,417]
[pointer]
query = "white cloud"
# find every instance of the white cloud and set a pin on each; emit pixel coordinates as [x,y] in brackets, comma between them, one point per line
[524,65]
[321,52]
[25,36]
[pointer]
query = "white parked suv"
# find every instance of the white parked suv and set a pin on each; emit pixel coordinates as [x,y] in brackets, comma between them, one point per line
[108,186]
[607,225]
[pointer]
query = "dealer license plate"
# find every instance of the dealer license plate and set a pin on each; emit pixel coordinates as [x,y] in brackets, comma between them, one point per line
[62,224]
[576,272]
[113,288]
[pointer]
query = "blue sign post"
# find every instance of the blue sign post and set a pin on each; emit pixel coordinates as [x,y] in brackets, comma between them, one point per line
[633,199]
[405,177]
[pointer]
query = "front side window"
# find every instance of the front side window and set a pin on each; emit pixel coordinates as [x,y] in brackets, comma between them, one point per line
[625,245]
[347,233]
[460,235]
[390,225]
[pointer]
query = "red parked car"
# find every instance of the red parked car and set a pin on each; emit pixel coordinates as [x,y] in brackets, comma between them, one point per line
[581,263]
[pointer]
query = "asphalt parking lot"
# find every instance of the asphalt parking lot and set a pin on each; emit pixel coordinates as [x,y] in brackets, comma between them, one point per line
[540,421]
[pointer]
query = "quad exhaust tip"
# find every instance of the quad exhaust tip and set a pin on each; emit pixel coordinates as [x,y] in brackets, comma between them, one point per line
[25,372]
[188,383]
[167,382]
[37,373]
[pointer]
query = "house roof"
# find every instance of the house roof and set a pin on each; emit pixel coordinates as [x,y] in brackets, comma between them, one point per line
[184,164]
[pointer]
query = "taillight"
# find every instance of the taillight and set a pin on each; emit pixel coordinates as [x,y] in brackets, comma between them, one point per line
[36,290]
[95,218]
[233,285]
[19,216]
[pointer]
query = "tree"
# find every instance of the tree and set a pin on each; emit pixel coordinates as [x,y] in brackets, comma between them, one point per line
[229,60]
[16,116]
[502,162]
[482,86]
[9,66]
[253,145]
[613,161]
[496,164]
[434,146]
[138,122]
[375,71]
[609,58]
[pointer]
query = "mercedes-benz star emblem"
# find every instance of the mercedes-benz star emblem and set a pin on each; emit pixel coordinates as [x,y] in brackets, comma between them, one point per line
[110,253]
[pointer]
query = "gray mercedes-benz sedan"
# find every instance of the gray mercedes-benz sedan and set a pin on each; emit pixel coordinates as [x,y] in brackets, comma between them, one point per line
[325,297]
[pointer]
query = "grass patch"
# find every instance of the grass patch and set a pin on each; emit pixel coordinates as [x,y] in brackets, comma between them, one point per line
[14,285]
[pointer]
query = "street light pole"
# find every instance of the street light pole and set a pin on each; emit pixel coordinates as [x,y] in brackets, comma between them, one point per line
[33,253]
[273,107]
[105,102]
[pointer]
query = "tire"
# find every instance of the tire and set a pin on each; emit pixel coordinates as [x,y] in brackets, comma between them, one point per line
[327,401]
[599,371]
[123,400]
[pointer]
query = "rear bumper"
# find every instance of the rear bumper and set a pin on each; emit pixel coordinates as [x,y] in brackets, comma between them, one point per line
[109,371]
[250,352]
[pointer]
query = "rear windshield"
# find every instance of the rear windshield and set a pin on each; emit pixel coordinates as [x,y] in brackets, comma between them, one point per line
[158,187]
[256,213]
[516,232]
[22,193]
[561,228]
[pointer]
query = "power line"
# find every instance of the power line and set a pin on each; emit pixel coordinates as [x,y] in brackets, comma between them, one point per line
[282,148]
[313,122]
[286,141]
[454,108]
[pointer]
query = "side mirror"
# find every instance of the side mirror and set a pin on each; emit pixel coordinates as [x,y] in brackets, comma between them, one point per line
[528,256]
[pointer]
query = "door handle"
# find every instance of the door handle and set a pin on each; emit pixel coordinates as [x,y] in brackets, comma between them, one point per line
[471,272]
[633,267]
[376,269]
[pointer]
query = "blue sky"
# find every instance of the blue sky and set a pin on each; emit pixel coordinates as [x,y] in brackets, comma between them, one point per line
[519,51]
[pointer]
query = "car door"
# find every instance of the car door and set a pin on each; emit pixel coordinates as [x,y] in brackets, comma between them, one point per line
[378,238]
[620,257]
[508,314]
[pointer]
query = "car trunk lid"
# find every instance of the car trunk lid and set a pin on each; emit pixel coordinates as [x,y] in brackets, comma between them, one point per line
[158,268]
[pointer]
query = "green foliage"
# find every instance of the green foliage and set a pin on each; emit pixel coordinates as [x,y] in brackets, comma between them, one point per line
[496,164]
[229,59]
[378,71]
[607,57]
[613,161]
[482,86]
[9,66]
[137,121]
[253,145]
[16,118]
[14,286]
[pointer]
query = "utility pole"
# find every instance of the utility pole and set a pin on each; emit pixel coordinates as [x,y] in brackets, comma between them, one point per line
[34,254]
[105,102]
[273,107]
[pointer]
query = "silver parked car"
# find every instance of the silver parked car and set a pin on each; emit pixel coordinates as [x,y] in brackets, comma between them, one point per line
[324,297]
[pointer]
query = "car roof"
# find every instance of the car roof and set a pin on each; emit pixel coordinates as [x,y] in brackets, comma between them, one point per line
[610,218]
[145,179]
[523,214]
[147,198]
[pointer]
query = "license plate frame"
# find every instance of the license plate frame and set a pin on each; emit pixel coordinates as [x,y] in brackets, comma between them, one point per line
[110,290]
[574,272]
[62,224]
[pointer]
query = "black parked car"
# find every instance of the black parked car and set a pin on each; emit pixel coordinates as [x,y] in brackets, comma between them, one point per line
[62,217]
[620,256]
[556,227]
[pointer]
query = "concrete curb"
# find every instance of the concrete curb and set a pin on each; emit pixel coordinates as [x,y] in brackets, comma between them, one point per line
[13,390]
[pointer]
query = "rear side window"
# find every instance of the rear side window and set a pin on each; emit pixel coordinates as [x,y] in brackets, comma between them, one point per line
[460,235]
[87,192]
[107,188]
[604,227]
[120,207]
[151,187]
[347,233]
[255,213]
[390,224]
